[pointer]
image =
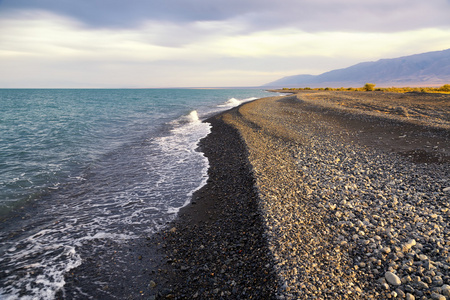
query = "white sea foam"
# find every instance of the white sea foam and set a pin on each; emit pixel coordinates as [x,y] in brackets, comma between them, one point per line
[193,116]
[108,235]
[64,258]
[181,152]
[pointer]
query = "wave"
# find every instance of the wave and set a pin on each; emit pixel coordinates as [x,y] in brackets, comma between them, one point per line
[193,116]
[233,102]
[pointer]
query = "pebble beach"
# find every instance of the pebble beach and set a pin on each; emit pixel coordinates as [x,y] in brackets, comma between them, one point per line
[318,195]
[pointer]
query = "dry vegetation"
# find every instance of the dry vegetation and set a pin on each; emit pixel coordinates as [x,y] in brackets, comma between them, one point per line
[371,87]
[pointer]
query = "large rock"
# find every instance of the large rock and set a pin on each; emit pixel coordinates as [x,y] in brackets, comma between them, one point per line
[392,278]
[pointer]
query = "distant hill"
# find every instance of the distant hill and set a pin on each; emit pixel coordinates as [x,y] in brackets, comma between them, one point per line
[426,69]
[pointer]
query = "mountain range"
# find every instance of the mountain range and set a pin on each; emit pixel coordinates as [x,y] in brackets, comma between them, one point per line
[425,69]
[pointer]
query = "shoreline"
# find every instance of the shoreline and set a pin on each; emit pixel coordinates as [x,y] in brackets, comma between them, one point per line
[340,203]
[216,246]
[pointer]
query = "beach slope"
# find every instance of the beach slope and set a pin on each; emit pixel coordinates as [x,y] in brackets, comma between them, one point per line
[344,200]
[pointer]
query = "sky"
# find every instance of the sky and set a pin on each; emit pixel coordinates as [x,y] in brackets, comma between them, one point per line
[205,43]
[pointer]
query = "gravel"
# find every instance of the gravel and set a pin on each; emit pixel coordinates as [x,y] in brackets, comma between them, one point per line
[307,200]
[346,219]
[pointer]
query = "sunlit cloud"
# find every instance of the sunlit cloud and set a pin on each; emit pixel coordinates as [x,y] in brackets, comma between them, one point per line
[48,35]
[295,43]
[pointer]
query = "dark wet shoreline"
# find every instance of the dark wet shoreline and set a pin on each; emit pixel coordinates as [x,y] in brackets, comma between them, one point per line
[216,248]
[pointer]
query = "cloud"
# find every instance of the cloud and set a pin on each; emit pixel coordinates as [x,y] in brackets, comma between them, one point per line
[253,15]
[136,43]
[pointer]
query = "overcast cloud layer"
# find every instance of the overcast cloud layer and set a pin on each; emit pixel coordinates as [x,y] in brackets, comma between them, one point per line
[168,43]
